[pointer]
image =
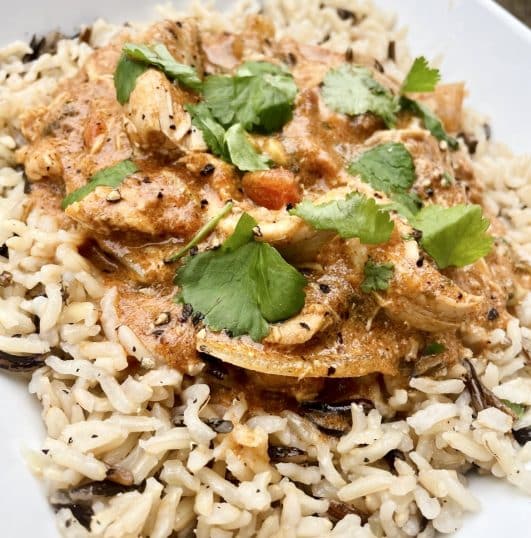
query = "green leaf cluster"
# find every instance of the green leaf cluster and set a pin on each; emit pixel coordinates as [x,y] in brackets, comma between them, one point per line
[243,286]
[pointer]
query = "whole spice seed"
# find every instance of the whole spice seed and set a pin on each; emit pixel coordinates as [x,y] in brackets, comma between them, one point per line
[162,319]
[114,196]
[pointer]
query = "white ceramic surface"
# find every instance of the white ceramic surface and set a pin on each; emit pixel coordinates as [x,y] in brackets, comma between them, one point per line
[481,44]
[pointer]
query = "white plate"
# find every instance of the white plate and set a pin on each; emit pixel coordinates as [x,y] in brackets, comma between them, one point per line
[481,43]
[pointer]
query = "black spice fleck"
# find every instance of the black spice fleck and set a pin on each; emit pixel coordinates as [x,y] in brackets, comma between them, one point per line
[391,51]
[304,325]
[197,317]
[349,54]
[420,261]
[325,288]
[492,314]
[345,14]
[378,66]
[193,250]
[207,169]
[331,370]
[186,312]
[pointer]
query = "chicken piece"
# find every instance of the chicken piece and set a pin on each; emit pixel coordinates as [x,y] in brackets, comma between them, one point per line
[273,189]
[155,201]
[352,351]
[433,166]
[172,342]
[156,120]
[182,39]
[220,179]
[314,318]
[41,160]
[315,139]
[222,51]
[447,103]
[419,294]
[102,62]
[334,335]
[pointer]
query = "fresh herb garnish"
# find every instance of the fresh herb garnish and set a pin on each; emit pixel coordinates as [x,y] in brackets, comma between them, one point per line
[259,97]
[433,348]
[213,132]
[453,236]
[107,177]
[421,77]
[377,276]
[352,90]
[231,145]
[201,234]
[136,59]
[388,168]
[242,286]
[354,216]
[125,75]
[407,204]
[429,119]
[517,409]
[241,152]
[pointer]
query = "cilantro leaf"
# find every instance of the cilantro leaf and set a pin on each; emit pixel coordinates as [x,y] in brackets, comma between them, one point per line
[433,348]
[517,409]
[203,232]
[407,204]
[136,59]
[232,145]
[429,119]
[159,56]
[388,168]
[242,286]
[352,90]
[241,152]
[377,276]
[213,132]
[354,216]
[125,75]
[421,77]
[453,236]
[109,177]
[260,97]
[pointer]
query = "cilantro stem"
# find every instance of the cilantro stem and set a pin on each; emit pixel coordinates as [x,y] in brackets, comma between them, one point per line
[201,234]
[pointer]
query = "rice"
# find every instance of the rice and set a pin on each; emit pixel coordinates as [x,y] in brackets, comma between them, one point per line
[151,428]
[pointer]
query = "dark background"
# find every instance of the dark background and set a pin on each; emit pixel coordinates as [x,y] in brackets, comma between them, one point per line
[519,8]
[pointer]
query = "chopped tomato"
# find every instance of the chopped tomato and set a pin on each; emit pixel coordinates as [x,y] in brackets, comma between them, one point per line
[273,189]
